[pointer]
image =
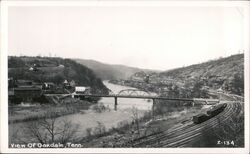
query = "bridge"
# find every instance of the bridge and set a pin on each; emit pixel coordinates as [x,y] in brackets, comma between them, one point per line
[136,94]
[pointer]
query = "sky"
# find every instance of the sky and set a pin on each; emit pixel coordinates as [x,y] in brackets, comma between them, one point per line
[149,37]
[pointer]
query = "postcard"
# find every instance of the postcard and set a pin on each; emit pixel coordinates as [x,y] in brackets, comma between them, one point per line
[124,76]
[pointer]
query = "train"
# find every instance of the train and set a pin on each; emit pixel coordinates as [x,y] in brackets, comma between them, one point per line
[209,114]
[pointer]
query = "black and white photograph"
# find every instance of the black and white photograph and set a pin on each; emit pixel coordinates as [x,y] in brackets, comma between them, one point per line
[118,76]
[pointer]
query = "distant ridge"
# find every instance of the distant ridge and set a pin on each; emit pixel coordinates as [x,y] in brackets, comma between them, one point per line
[111,72]
[225,74]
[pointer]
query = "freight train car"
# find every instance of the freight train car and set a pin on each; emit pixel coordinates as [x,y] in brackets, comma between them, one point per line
[210,113]
[200,118]
[216,110]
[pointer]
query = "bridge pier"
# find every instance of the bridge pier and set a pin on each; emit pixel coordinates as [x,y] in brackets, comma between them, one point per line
[115,103]
[153,107]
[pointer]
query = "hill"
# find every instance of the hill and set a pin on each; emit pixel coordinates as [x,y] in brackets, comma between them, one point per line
[223,74]
[110,72]
[54,70]
[222,67]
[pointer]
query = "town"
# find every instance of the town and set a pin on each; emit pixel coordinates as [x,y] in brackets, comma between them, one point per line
[28,91]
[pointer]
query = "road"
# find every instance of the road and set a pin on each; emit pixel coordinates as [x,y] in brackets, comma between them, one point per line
[188,133]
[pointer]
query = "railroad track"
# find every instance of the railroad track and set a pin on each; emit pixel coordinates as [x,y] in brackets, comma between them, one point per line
[183,135]
[197,133]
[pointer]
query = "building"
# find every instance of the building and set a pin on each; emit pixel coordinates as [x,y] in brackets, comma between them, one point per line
[82,90]
[33,69]
[38,85]
[61,66]
[48,86]
[66,84]
[24,83]
[12,83]
[27,93]
[72,83]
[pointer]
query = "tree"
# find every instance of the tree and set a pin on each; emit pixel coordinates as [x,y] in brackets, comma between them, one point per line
[51,130]
[135,117]
[238,84]
[100,129]
[196,89]
[15,62]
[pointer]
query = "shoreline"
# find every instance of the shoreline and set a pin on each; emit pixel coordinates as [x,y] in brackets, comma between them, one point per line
[18,114]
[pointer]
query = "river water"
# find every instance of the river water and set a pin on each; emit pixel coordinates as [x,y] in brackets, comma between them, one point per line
[110,118]
[90,119]
[125,103]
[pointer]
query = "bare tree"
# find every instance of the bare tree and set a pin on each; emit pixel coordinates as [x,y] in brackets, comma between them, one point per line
[88,131]
[100,129]
[136,120]
[51,130]
[68,132]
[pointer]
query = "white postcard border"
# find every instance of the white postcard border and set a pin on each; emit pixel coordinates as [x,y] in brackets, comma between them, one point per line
[4,77]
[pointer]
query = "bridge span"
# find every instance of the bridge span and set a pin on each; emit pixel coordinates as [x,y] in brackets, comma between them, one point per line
[136,96]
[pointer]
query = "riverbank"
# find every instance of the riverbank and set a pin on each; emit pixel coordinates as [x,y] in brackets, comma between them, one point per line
[30,112]
[126,133]
[84,115]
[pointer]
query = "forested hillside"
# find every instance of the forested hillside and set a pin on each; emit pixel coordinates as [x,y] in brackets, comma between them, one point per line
[225,73]
[110,72]
[56,70]
[223,67]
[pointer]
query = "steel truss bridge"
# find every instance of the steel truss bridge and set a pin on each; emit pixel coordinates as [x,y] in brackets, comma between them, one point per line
[137,94]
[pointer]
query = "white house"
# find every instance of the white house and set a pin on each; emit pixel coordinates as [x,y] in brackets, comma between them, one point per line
[82,89]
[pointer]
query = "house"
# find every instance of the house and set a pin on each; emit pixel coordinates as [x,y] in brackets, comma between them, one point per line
[72,83]
[66,84]
[82,90]
[33,69]
[220,90]
[61,66]
[48,86]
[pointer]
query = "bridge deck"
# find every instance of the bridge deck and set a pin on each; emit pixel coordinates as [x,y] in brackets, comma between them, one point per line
[138,97]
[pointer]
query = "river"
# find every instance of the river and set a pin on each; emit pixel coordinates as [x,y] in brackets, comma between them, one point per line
[125,103]
[90,119]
